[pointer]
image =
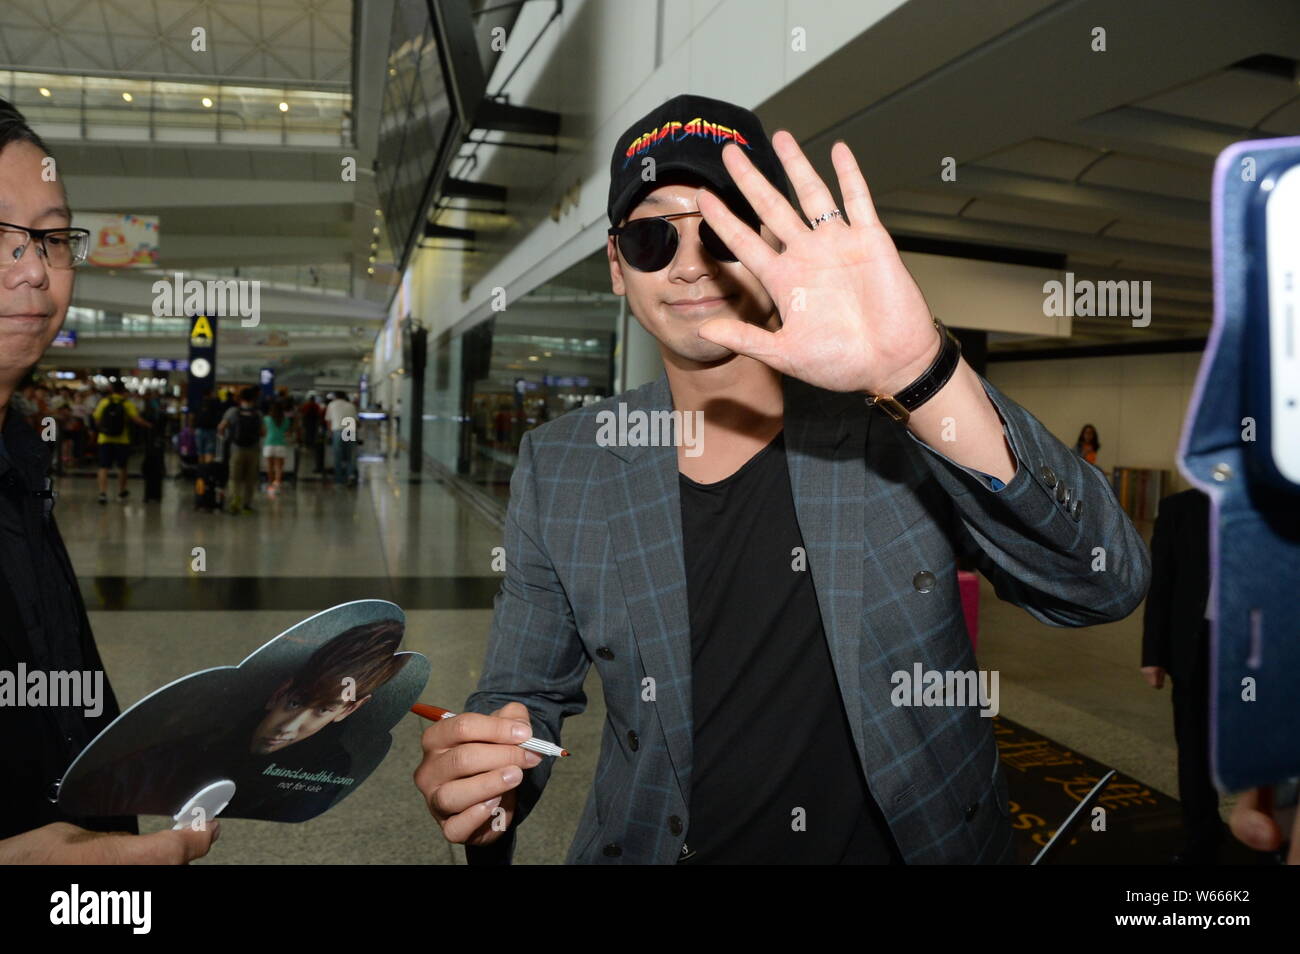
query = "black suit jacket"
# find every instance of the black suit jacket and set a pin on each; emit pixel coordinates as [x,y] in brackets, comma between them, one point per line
[43,625]
[1180,582]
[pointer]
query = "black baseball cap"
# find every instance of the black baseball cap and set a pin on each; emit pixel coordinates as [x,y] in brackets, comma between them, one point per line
[685,137]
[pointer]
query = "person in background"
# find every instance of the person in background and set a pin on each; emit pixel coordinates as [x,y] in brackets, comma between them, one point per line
[341,419]
[172,414]
[136,400]
[68,426]
[309,421]
[154,467]
[1176,642]
[41,405]
[205,427]
[151,407]
[43,621]
[1087,445]
[114,417]
[187,445]
[57,399]
[87,401]
[23,402]
[278,428]
[244,426]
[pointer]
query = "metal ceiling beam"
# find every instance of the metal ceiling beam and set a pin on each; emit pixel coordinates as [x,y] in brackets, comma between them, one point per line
[453,188]
[101,350]
[225,251]
[1055,195]
[1172,286]
[1016,236]
[1174,133]
[150,194]
[495,115]
[433,231]
[132,292]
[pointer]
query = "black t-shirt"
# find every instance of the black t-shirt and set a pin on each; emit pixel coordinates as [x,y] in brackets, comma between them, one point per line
[773,750]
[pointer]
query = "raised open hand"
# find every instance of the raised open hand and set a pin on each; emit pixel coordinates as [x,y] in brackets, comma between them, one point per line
[853,319]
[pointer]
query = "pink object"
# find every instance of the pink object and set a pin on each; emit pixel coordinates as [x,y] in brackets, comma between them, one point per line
[969,584]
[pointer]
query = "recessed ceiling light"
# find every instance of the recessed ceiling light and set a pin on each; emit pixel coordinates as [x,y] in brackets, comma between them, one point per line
[207,102]
[128,97]
[284,107]
[43,91]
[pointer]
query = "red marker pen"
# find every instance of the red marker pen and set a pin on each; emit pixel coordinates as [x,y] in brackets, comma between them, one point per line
[436,714]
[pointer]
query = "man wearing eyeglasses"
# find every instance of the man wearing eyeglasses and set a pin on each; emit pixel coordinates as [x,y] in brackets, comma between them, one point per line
[43,623]
[751,607]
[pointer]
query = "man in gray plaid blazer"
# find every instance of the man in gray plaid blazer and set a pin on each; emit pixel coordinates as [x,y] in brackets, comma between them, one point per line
[815,335]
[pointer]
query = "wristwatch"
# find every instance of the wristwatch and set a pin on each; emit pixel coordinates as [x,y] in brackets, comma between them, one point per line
[901,405]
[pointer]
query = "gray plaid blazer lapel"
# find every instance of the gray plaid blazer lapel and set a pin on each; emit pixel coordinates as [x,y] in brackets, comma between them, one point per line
[825,436]
[854,475]
[639,494]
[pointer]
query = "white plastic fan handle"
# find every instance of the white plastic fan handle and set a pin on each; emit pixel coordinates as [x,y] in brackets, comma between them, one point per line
[212,799]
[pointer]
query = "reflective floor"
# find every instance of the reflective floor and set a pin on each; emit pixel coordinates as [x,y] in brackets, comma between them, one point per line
[157,617]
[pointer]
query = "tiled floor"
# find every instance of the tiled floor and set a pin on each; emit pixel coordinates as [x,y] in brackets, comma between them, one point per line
[315,546]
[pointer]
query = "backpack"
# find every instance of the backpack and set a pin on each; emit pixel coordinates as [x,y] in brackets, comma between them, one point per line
[248,427]
[113,421]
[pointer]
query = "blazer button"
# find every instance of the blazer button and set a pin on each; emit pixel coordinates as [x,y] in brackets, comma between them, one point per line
[604,652]
[633,743]
[923,582]
[1066,500]
[675,824]
[1076,511]
[612,850]
[971,810]
[1047,476]
[52,793]
[1061,491]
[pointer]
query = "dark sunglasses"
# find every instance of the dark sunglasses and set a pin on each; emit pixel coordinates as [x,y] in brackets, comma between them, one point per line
[649,244]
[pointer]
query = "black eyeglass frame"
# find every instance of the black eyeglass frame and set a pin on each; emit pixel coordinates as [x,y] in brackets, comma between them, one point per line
[618,230]
[39,236]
